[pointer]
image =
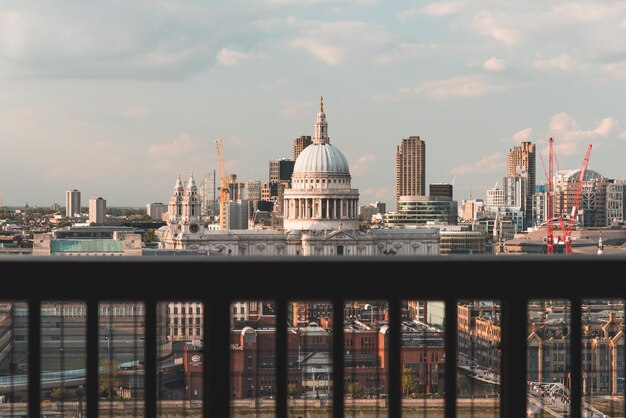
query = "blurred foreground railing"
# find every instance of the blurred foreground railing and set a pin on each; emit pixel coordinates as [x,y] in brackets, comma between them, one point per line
[217,282]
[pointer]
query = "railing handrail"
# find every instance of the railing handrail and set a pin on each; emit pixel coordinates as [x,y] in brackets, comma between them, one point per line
[218,281]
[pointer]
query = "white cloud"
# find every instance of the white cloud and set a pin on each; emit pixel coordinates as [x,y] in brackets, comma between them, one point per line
[570,135]
[231,58]
[441,9]
[337,42]
[461,86]
[432,9]
[562,63]
[494,65]
[523,135]
[496,25]
[183,145]
[94,40]
[360,165]
[622,135]
[614,69]
[489,164]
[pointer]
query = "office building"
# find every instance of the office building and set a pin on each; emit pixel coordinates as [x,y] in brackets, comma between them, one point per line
[521,162]
[72,203]
[440,189]
[97,210]
[410,168]
[156,210]
[299,144]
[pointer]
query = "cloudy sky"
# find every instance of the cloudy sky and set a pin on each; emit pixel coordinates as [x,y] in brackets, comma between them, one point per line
[115,98]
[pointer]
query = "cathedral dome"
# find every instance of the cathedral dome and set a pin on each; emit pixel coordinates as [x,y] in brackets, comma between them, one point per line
[321,158]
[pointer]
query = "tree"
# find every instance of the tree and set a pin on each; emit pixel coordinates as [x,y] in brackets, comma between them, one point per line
[149,235]
[409,381]
[463,383]
[58,394]
[356,390]
[109,380]
[292,390]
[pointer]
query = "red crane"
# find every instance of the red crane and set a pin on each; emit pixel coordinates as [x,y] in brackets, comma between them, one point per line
[550,203]
[577,196]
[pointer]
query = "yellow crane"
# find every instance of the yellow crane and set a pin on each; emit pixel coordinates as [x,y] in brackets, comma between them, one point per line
[224,190]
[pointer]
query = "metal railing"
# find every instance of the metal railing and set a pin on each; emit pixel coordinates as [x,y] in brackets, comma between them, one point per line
[216,282]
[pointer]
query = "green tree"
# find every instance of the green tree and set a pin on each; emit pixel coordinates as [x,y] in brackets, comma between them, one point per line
[149,235]
[356,390]
[58,394]
[409,381]
[292,390]
[463,384]
[109,379]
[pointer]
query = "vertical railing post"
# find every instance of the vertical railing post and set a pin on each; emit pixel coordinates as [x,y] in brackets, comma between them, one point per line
[150,359]
[282,359]
[450,347]
[217,357]
[395,359]
[93,350]
[34,357]
[513,381]
[338,359]
[575,338]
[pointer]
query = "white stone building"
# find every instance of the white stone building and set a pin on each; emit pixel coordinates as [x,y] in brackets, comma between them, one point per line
[320,216]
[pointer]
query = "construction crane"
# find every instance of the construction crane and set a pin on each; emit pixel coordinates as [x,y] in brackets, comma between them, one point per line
[224,190]
[567,229]
[550,203]
[550,200]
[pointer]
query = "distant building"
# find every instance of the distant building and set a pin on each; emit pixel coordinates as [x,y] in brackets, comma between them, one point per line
[441,189]
[97,210]
[46,245]
[72,203]
[299,144]
[410,168]
[419,210]
[521,162]
[156,210]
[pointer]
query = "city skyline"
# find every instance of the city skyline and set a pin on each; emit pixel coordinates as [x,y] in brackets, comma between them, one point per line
[115,104]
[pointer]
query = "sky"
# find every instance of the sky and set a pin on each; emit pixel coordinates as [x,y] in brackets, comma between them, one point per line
[115,98]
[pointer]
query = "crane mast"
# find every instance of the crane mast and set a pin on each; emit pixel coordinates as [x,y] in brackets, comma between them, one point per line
[550,203]
[223,188]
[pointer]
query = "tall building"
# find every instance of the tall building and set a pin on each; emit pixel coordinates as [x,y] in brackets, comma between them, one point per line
[156,210]
[97,210]
[72,203]
[208,194]
[616,202]
[521,163]
[410,168]
[300,144]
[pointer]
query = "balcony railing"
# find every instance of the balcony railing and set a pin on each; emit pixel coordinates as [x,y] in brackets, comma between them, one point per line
[217,282]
